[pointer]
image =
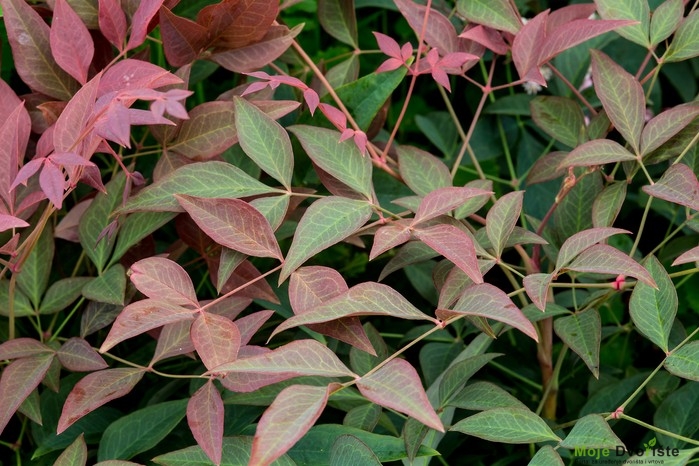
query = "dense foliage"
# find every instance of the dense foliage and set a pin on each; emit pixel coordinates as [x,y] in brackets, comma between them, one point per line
[349,232]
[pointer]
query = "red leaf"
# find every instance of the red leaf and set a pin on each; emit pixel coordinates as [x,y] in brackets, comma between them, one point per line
[526,48]
[70,126]
[209,131]
[77,355]
[581,241]
[537,287]
[388,237]
[95,390]
[488,37]
[28,35]
[112,22]
[288,418]
[573,33]
[258,54]
[22,348]
[569,13]
[245,273]
[397,386]
[8,222]
[250,324]
[455,245]
[146,10]
[173,340]
[486,300]
[233,223]
[688,256]
[52,182]
[442,200]
[205,414]
[439,31]
[601,258]
[679,185]
[216,339]
[18,380]
[135,74]
[183,39]
[388,45]
[141,316]
[160,278]
[14,132]
[71,43]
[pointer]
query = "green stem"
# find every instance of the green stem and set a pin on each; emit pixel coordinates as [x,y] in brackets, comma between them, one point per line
[659,430]
[515,375]
[686,149]
[641,226]
[553,382]
[67,319]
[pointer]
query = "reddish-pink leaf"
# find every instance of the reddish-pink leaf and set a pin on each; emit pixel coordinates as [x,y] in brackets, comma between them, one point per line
[95,390]
[601,258]
[502,218]
[112,22]
[258,289]
[205,415]
[257,55]
[679,185]
[526,48]
[28,35]
[22,348]
[18,380]
[173,340]
[183,39]
[390,236]
[312,286]
[287,419]
[209,131]
[71,43]
[135,74]
[146,10]
[76,454]
[439,32]
[72,123]
[575,32]
[163,279]
[14,132]
[397,386]
[442,200]
[664,126]
[487,37]
[216,339]
[581,241]
[455,245]
[8,222]
[597,152]
[486,300]
[621,95]
[233,223]
[537,287]
[77,355]
[52,182]
[67,228]
[388,45]
[141,316]
[365,299]
[688,256]
[300,357]
[250,324]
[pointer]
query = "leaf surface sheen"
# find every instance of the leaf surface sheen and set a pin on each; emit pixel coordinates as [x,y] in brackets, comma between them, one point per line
[507,425]
[442,200]
[205,416]
[216,339]
[71,44]
[164,279]
[582,333]
[18,380]
[455,245]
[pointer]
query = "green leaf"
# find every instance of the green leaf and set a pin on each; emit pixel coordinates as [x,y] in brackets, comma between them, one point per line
[665,20]
[659,454]
[664,126]
[348,450]
[506,425]
[422,171]
[632,10]
[559,117]
[591,431]
[97,217]
[684,44]
[607,204]
[497,14]
[439,128]
[339,20]
[574,213]
[136,227]
[363,417]
[140,430]
[33,278]
[326,222]
[365,96]
[621,93]
[684,362]
[679,414]
[109,287]
[313,449]
[21,305]
[457,375]
[582,332]
[501,219]
[212,179]
[678,184]
[481,396]
[597,152]
[340,159]
[74,455]
[343,73]
[412,252]
[62,293]
[236,452]
[653,310]
[609,397]
[264,141]
[208,131]
[546,456]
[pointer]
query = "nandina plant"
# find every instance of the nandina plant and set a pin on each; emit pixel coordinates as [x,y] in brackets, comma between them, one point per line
[241,232]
